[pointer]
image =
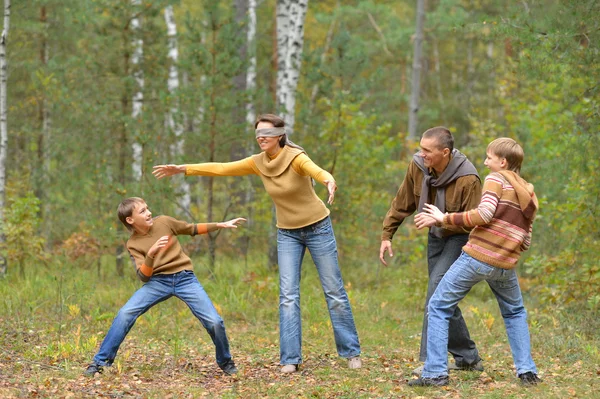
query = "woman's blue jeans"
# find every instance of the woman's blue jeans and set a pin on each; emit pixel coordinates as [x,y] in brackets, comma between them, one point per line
[291,247]
[457,282]
[183,285]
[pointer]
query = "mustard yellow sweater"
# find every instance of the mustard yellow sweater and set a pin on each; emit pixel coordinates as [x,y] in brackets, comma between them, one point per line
[287,179]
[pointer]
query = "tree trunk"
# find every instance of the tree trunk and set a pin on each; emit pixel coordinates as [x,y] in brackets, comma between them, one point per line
[438,73]
[45,123]
[3,125]
[416,73]
[290,40]
[138,96]
[173,118]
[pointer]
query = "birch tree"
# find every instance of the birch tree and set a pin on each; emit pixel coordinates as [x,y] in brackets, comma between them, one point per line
[173,121]
[290,41]
[416,73]
[138,96]
[3,124]
[251,72]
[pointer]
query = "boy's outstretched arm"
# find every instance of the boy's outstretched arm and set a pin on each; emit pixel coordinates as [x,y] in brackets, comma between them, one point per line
[231,224]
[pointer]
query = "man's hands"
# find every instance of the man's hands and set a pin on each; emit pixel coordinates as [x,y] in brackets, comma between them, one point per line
[331,187]
[158,245]
[231,224]
[160,171]
[430,216]
[386,245]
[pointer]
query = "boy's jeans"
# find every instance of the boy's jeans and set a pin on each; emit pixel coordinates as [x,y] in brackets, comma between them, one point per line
[185,286]
[464,274]
[291,246]
[441,254]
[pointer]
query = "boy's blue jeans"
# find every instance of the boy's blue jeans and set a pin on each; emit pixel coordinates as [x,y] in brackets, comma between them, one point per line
[464,274]
[291,247]
[185,286]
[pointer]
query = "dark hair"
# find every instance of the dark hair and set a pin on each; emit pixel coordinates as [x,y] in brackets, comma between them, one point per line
[276,121]
[442,135]
[126,208]
[510,150]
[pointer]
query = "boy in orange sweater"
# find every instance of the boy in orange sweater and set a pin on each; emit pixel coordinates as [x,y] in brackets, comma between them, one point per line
[502,230]
[167,271]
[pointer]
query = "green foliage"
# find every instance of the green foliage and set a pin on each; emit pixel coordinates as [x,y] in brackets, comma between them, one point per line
[21,229]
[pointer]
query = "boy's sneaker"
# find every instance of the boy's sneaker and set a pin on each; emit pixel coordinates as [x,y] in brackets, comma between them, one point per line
[92,369]
[466,367]
[529,378]
[229,367]
[429,382]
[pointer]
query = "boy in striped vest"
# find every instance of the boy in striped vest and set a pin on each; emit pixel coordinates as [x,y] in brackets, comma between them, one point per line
[502,225]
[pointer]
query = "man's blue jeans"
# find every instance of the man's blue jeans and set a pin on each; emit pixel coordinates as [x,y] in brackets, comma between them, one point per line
[291,247]
[441,254]
[464,274]
[183,285]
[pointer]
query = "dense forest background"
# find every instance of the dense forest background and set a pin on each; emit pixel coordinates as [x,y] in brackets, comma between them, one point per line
[91,106]
[93,93]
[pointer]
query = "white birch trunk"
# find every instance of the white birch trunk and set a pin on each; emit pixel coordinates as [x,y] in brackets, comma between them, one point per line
[251,72]
[138,96]
[3,124]
[290,40]
[416,73]
[172,118]
[3,108]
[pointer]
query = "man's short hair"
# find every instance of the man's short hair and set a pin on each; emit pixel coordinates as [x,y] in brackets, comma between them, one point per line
[442,135]
[126,208]
[510,150]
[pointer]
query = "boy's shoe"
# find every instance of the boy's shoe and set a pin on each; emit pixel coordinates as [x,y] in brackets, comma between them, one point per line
[529,378]
[229,367]
[454,367]
[466,367]
[354,362]
[289,368]
[429,382]
[92,369]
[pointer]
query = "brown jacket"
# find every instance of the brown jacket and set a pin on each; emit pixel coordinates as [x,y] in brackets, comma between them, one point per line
[462,195]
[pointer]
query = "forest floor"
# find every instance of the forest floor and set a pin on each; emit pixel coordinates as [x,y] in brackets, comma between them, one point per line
[51,325]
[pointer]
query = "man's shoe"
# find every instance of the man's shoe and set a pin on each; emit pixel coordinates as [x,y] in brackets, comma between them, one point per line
[354,362]
[229,368]
[429,382]
[466,367]
[289,368]
[529,378]
[418,371]
[92,369]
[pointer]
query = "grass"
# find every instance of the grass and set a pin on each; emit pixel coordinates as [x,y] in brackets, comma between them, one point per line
[53,320]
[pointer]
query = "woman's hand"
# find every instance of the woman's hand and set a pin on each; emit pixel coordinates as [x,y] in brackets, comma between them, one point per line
[331,187]
[231,224]
[160,171]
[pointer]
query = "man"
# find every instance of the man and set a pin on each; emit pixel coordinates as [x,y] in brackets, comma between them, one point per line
[441,175]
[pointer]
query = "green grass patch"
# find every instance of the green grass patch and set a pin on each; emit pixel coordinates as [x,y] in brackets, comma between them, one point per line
[53,320]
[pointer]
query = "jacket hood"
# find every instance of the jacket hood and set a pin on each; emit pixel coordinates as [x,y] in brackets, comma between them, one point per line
[525,194]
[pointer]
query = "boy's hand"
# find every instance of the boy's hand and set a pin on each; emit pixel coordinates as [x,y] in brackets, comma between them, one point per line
[434,212]
[158,245]
[231,224]
[160,171]
[423,220]
[331,188]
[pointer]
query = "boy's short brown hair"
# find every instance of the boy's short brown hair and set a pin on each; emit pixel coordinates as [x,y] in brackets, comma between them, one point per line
[510,150]
[126,208]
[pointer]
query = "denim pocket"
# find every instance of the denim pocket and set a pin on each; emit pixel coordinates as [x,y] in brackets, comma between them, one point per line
[482,269]
[323,227]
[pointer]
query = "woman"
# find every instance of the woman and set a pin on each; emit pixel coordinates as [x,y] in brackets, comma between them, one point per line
[303,222]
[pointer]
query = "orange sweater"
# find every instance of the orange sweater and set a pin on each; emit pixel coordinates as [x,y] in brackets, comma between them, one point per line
[286,177]
[503,220]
